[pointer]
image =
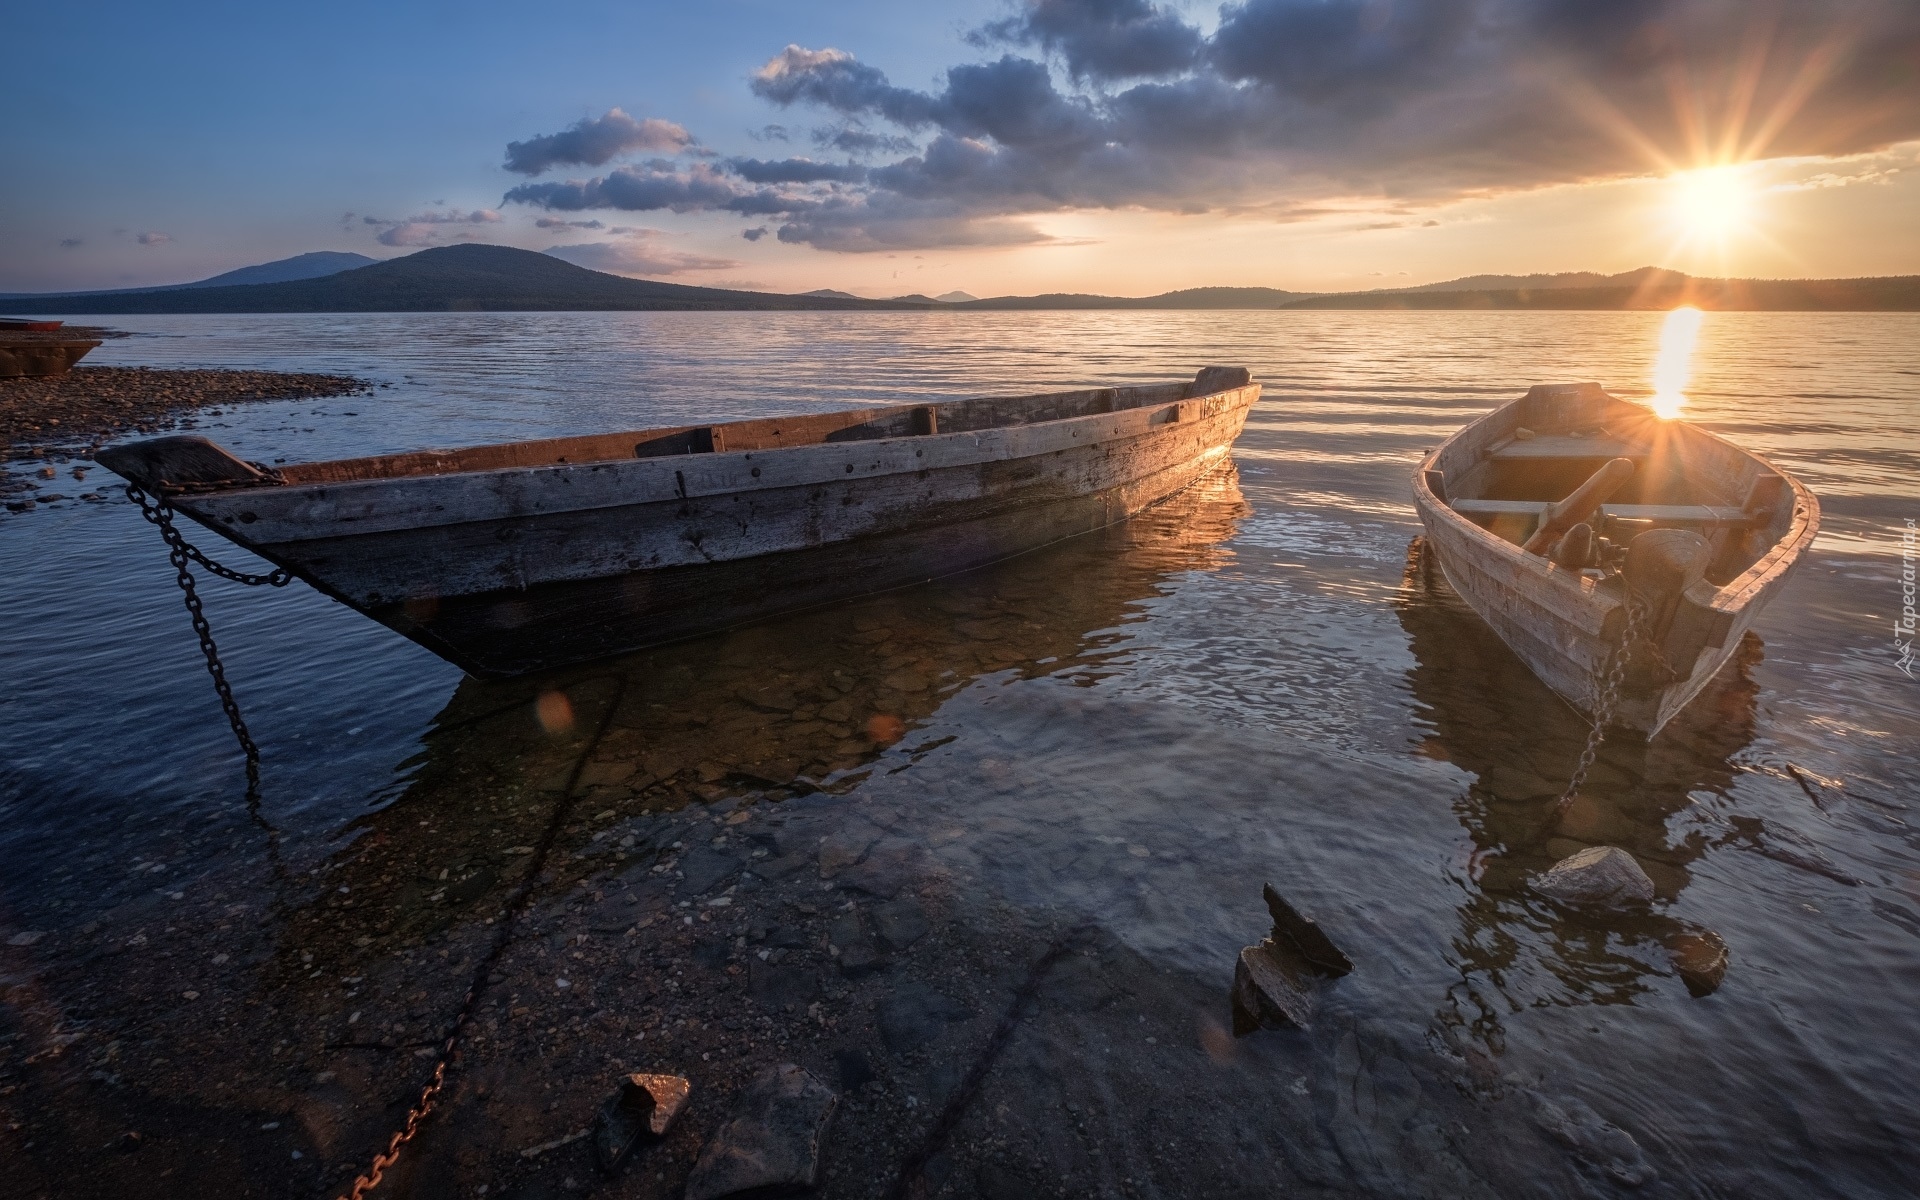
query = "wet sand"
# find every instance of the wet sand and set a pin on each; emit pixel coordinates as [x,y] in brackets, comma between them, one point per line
[51,425]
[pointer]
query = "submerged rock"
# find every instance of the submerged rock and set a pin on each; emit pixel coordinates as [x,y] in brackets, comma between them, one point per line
[1295,929]
[915,1015]
[1700,958]
[642,1111]
[772,1145]
[1596,875]
[1270,990]
[1275,981]
[1593,1139]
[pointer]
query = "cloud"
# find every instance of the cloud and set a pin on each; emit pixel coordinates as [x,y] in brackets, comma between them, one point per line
[859,140]
[640,254]
[72,243]
[153,238]
[754,234]
[557,223]
[795,170]
[1296,109]
[424,229]
[591,142]
[1102,39]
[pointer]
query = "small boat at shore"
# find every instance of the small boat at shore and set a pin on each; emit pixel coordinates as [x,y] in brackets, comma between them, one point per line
[28,325]
[508,558]
[1599,540]
[30,349]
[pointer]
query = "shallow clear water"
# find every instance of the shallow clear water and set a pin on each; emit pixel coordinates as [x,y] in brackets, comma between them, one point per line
[1145,725]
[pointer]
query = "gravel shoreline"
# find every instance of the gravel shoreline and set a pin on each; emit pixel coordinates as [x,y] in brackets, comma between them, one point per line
[49,421]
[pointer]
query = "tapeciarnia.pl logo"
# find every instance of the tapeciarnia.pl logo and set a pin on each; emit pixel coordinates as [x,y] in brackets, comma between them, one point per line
[1903,625]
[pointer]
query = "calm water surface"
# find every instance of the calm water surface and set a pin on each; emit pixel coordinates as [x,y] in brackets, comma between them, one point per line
[1141,727]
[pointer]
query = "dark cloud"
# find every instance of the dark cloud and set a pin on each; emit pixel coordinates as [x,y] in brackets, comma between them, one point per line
[153,238]
[796,170]
[1102,39]
[1290,105]
[754,234]
[424,229]
[72,243]
[591,142]
[859,140]
[557,223]
[769,133]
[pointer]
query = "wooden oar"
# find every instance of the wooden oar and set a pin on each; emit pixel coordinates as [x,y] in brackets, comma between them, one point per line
[1574,509]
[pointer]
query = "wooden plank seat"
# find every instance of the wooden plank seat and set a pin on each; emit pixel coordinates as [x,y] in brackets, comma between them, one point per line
[1702,516]
[1563,447]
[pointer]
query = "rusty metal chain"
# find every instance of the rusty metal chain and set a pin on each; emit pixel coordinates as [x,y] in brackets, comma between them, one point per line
[1612,676]
[503,928]
[180,553]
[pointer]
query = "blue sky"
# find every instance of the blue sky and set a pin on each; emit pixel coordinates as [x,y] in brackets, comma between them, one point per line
[1333,142]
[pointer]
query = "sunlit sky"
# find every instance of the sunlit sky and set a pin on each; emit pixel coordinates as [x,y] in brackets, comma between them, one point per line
[993,146]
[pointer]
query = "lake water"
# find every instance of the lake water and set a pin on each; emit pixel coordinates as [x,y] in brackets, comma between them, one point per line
[1137,729]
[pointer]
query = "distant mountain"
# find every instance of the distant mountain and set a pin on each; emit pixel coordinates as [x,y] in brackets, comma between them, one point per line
[446,278]
[312,265]
[1563,279]
[1211,297]
[1656,289]
[316,264]
[954,297]
[503,279]
[947,298]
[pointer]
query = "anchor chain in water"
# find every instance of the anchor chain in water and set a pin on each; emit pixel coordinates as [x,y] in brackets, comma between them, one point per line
[1612,676]
[180,552]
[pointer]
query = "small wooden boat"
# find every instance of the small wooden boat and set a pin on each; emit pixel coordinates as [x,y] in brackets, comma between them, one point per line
[1550,515]
[27,353]
[11,324]
[509,558]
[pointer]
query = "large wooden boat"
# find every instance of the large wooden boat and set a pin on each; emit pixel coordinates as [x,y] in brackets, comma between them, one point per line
[509,558]
[1548,536]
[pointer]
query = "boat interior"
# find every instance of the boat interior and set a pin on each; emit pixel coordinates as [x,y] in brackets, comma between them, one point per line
[769,433]
[1516,470]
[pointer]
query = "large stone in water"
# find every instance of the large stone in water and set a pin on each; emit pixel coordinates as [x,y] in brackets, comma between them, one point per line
[1297,930]
[1596,875]
[772,1145]
[1272,989]
[1700,958]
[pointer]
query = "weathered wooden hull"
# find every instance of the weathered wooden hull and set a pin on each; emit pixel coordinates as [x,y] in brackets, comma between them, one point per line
[1564,625]
[37,354]
[509,570]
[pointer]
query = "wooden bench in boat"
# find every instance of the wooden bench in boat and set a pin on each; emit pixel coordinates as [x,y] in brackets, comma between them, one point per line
[1701,516]
[1563,447]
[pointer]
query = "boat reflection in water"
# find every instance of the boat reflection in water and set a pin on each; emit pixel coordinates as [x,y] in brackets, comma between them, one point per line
[806,703]
[1487,713]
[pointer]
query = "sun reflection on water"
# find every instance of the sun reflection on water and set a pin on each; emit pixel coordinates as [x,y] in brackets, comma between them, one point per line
[1674,364]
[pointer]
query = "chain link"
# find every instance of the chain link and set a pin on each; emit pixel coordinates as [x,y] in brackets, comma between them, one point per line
[1612,676]
[180,553]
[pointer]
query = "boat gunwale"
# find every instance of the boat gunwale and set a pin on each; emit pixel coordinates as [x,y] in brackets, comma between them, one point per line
[1596,598]
[667,462]
[868,414]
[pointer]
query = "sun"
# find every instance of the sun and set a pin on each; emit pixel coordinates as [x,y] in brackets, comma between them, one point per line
[1714,205]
